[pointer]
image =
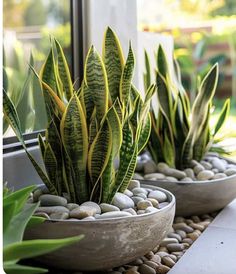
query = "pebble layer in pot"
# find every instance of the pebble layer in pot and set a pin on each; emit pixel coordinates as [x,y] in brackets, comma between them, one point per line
[180,141]
[89,151]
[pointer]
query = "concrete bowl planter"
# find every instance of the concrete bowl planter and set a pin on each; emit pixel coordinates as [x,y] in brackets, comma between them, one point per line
[107,243]
[199,197]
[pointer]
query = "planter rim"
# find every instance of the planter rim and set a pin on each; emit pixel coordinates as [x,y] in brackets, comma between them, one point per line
[111,220]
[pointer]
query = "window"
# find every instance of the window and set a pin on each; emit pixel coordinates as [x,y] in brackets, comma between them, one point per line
[28,25]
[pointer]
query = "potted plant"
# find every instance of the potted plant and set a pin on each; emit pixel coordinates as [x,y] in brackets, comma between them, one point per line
[181,138]
[17,215]
[89,151]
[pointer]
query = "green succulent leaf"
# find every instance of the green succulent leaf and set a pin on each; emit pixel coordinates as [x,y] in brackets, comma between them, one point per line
[114,62]
[147,74]
[162,62]
[96,80]
[126,78]
[32,248]
[11,268]
[99,153]
[74,136]
[64,72]
[11,235]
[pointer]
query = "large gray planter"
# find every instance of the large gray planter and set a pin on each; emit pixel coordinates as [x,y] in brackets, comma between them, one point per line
[199,197]
[107,243]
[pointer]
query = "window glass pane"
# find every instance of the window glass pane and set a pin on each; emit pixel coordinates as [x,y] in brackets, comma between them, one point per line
[28,25]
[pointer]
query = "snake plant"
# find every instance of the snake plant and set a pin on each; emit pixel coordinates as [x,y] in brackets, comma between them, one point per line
[94,134]
[17,215]
[181,133]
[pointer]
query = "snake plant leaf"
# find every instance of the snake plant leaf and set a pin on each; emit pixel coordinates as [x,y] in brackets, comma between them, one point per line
[87,102]
[12,268]
[162,65]
[199,112]
[11,235]
[147,74]
[222,116]
[130,170]
[33,248]
[114,62]
[168,150]
[68,176]
[41,144]
[48,76]
[96,79]
[51,166]
[64,72]
[126,78]
[164,96]
[20,196]
[99,152]
[93,127]
[144,134]
[200,145]
[119,110]
[74,136]
[51,99]
[116,127]
[128,152]
[109,172]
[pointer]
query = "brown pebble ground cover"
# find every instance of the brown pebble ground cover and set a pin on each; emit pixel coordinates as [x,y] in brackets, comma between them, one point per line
[163,257]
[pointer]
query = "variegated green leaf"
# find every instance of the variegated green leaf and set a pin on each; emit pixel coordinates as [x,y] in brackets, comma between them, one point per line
[128,152]
[222,117]
[126,78]
[96,80]
[144,134]
[162,65]
[86,96]
[64,72]
[74,136]
[114,62]
[99,152]
[147,74]
[50,162]
[168,150]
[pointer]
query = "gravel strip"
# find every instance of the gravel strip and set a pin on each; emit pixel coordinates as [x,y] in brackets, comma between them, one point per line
[162,258]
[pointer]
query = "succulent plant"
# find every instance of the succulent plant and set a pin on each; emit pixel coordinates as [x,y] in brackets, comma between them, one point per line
[17,215]
[181,133]
[94,134]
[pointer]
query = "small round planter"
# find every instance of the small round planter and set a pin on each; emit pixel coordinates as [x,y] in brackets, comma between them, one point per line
[107,243]
[199,197]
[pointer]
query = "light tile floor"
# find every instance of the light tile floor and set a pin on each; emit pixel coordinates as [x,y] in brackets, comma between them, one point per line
[214,252]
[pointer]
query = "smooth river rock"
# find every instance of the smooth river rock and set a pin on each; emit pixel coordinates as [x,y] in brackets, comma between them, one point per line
[205,175]
[158,195]
[134,184]
[113,214]
[52,200]
[108,208]
[230,171]
[83,212]
[94,205]
[122,201]
[220,165]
